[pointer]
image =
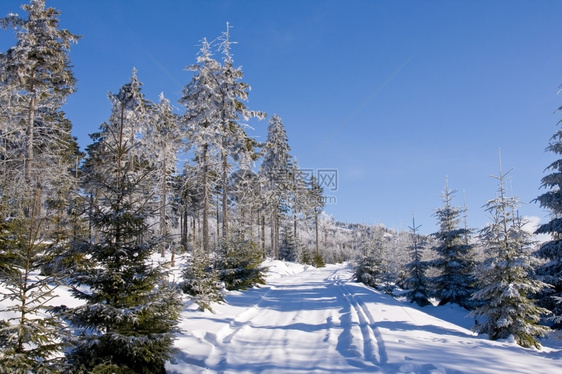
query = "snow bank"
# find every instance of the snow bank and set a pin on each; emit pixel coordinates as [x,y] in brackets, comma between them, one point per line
[278,268]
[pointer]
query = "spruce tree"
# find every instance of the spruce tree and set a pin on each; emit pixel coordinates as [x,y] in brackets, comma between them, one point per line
[505,280]
[200,127]
[38,73]
[370,268]
[161,141]
[417,281]
[551,251]
[288,248]
[239,262]
[315,206]
[34,338]
[128,320]
[37,152]
[455,262]
[298,196]
[233,112]
[275,171]
[201,282]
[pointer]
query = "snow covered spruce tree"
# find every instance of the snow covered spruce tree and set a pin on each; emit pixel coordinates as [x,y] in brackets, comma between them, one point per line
[213,126]
[374,263]
[288,248]
[315,206]
[275,171]
[161,141]
[233,112]
[369,268]
[417,281]
[455,262]
[297,204]
[505,279]
[128,321]
[551,251]
[200,127]
[201,282]
[37,78]
[239,263]
[33,338]
[37,151]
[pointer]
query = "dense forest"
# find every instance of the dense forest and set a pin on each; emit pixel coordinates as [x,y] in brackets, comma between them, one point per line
[94,220]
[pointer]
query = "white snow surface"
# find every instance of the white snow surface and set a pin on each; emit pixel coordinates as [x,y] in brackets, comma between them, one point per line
[308,320]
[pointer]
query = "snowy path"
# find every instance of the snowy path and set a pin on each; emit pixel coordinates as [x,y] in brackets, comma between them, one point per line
[318,321]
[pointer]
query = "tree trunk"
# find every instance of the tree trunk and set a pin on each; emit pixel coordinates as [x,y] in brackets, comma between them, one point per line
[295,227]
[277,233]
[251,224]
[205,204]
[194,233]
[263,235]
[272,232]
[30,134]
[218,220]
[163,198]
[224,196]
[316,231]
[184,225]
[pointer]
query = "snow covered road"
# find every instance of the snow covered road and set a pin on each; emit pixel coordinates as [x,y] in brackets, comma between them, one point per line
[319,321]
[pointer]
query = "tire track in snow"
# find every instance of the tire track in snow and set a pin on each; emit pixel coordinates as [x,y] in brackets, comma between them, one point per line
[290,326]
[374,349]
[218,356]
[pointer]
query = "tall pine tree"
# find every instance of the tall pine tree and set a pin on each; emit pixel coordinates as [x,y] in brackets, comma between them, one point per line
[233,113]
[276,173]
[37,151]
[38,74]
[200,127]
[161,141]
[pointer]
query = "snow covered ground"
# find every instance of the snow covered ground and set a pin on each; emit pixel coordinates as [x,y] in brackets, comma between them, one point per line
[309,320]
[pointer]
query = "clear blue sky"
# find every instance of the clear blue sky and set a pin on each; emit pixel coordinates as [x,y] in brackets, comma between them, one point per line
[479,75]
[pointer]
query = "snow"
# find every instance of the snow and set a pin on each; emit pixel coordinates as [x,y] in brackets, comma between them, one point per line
[308,320]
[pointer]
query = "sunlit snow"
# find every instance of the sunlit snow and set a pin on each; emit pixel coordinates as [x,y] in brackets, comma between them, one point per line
[309,320]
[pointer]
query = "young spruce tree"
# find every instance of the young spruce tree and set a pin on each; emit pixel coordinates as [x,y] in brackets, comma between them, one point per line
[455,261]
[129,317]
[505,279]
[34,338]
[370,268]
[417,281]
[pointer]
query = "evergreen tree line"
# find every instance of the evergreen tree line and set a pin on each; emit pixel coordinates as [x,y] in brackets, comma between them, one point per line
[93,221]
[510,284]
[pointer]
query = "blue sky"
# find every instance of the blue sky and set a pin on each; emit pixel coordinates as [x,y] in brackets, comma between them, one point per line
[476,76]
